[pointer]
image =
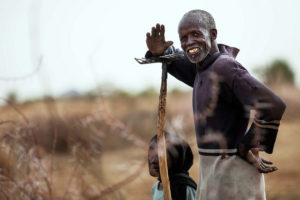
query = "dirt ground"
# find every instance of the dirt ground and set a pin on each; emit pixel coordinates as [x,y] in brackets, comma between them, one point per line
[282,184]
[121,169]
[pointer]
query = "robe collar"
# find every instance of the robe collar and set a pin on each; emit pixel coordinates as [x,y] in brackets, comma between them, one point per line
[223,49]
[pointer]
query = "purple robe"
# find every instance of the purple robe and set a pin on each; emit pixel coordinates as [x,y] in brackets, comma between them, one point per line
[223,95]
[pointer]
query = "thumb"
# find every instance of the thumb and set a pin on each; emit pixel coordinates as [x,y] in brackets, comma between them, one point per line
[255,151]
[266,161]
[168,43]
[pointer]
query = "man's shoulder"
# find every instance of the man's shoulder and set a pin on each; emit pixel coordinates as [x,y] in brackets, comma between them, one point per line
[227,68]
[226,64]
[225,60]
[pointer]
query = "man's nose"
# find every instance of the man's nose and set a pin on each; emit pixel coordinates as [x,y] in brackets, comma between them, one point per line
[190,41]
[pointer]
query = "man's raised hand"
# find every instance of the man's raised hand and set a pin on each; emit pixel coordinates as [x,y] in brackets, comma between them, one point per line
[156,42]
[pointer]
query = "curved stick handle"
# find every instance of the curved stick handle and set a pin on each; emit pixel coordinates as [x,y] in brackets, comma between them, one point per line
[163,166]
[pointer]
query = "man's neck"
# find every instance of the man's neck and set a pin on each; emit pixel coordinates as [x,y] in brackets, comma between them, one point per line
[214,47]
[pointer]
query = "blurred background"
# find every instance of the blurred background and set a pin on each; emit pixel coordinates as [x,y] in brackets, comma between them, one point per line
[77,111]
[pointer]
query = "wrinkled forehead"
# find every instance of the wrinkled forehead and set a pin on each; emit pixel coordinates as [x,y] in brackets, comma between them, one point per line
[192,21]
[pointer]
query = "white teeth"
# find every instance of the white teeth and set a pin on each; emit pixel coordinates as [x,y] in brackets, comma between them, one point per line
[193,50]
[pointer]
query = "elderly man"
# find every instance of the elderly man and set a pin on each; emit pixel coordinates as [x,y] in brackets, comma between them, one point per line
[223,95]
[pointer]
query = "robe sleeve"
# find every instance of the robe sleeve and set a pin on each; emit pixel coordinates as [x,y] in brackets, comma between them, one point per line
[182,70]
[252,94]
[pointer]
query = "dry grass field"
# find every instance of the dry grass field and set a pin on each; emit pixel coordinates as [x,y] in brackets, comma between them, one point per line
[93,149]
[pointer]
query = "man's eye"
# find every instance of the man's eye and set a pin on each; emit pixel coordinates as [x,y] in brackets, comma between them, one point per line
[196,34]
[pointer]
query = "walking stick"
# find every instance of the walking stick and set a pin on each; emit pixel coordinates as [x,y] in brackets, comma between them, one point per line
[163,167]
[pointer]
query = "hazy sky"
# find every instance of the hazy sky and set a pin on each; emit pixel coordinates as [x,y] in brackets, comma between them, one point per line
[82,42]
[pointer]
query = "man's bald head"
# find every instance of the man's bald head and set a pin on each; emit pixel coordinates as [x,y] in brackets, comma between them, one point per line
[201,16]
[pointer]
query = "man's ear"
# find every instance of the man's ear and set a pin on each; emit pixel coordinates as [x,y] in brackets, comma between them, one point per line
[213,34]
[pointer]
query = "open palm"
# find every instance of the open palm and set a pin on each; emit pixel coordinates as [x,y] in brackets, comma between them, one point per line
[156,42]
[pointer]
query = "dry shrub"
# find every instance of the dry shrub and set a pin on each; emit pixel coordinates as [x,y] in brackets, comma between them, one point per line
[61,135]
[6,163]
[26,171]
[143,122]
[59,157]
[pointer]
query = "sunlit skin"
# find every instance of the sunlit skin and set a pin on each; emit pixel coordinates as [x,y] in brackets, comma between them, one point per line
[198,42]
[156,40]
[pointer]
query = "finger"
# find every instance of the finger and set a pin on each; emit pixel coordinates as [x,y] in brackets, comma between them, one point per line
[272,168]
[148,35]
[262,166]
[162,29]
[266,169]
[153,32]
[263,169]
[266,161]
[168,43]
[158,29]
[260,169]
[269,169]
[158,26]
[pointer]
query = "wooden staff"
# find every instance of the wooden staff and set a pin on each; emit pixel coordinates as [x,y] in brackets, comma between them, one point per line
[162,152]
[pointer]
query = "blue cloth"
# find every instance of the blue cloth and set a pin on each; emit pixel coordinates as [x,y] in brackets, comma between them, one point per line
[158,194]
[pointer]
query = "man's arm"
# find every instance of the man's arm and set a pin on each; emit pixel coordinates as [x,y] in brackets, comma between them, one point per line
[268,106]
[269,109]
[251,155]
[183,70]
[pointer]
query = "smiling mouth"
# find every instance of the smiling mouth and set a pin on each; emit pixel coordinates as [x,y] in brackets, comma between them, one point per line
[193,50]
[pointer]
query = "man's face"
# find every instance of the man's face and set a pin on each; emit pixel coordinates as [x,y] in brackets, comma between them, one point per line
[195,38]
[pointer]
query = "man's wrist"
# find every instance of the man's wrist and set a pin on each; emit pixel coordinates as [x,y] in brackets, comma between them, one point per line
[243,150]
[149,54]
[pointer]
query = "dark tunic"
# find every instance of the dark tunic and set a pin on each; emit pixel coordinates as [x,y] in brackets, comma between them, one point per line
[223,95]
